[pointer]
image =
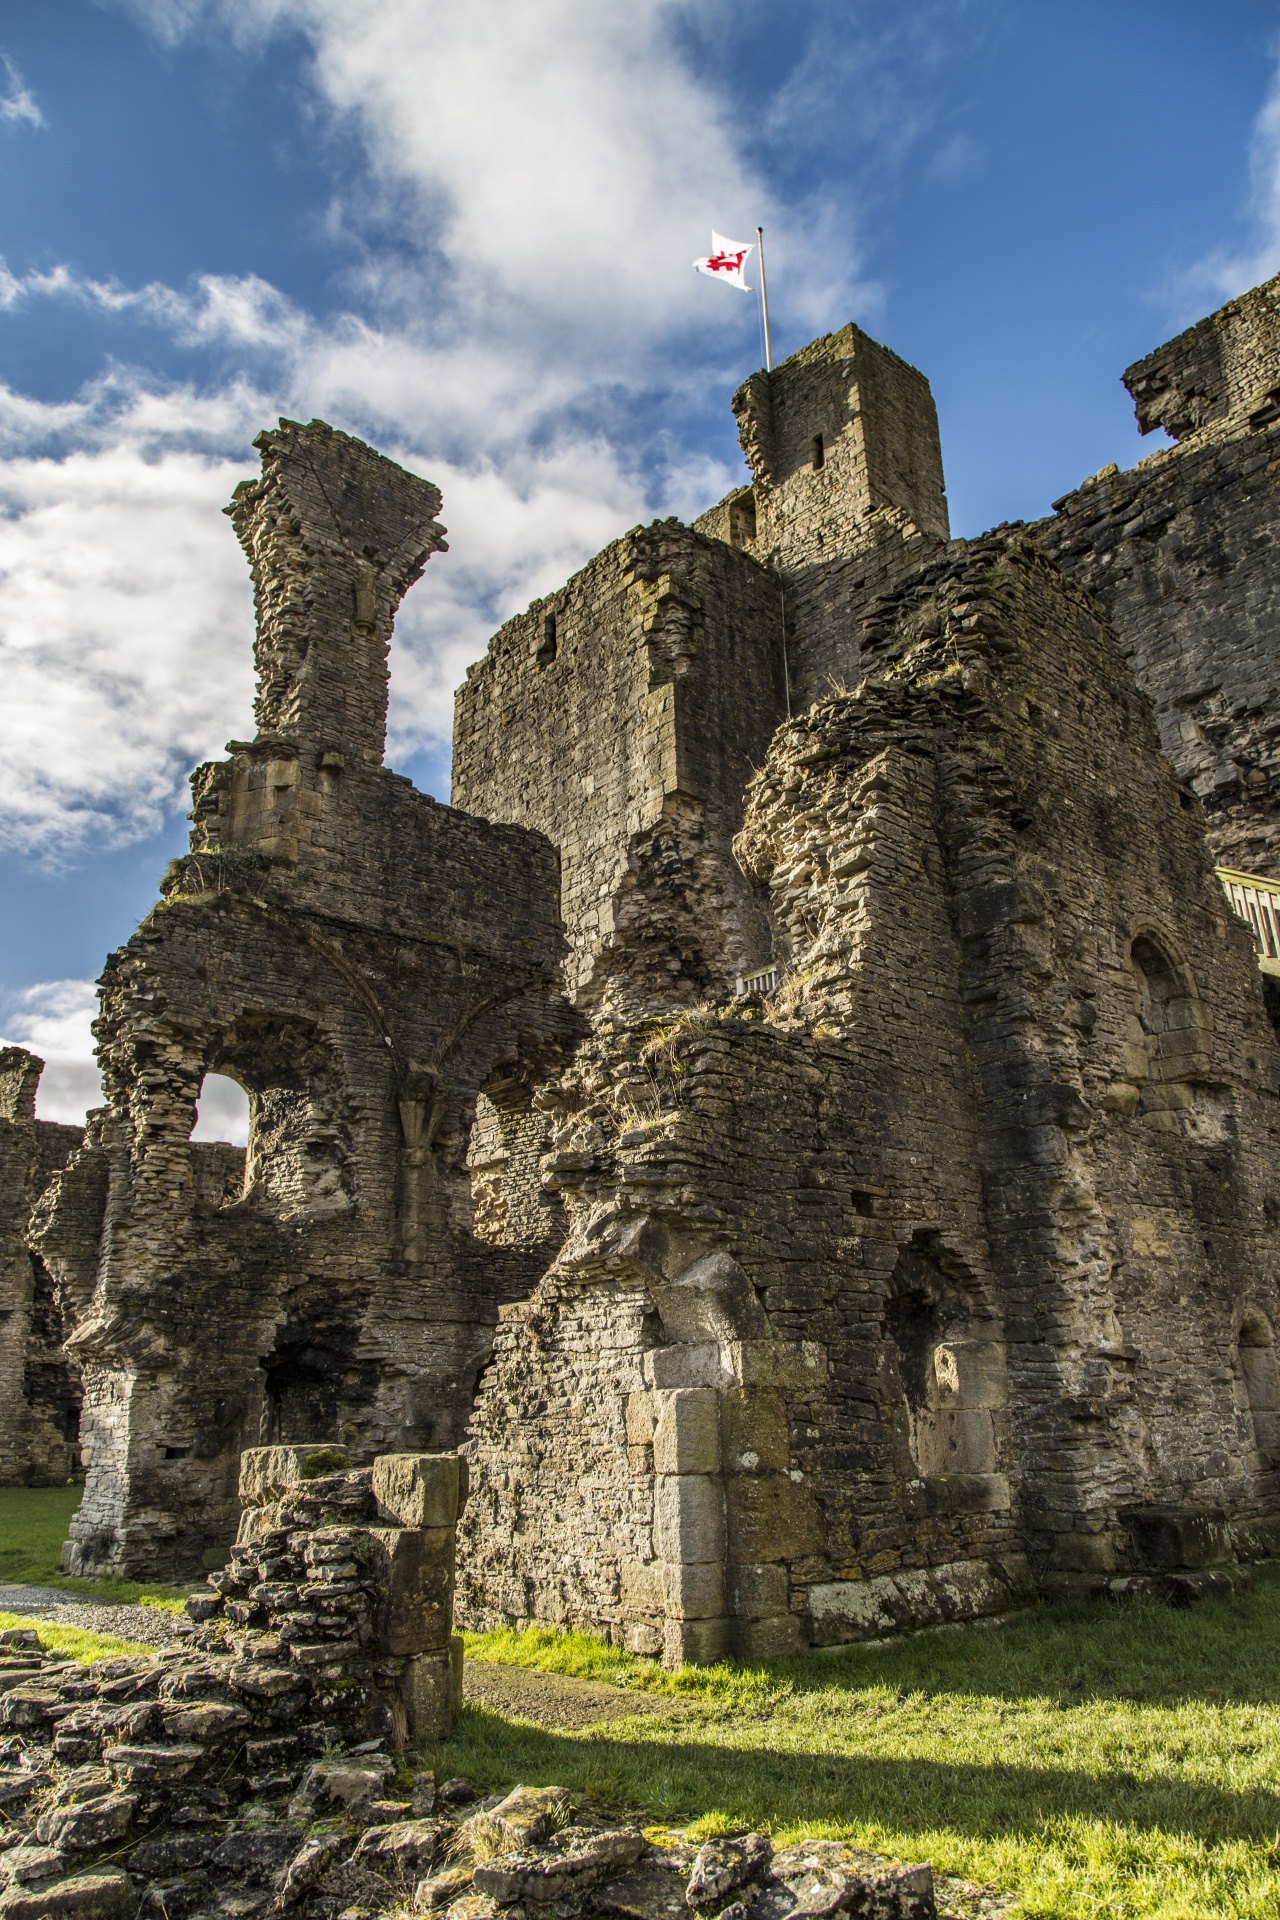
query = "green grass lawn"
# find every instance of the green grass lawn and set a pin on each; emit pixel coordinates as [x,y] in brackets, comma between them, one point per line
[33,1526]
[1095,1760]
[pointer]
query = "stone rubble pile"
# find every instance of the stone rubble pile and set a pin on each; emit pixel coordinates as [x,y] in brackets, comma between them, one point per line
[170,1821]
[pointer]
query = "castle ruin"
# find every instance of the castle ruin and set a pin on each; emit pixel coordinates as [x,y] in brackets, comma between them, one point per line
[804,1120]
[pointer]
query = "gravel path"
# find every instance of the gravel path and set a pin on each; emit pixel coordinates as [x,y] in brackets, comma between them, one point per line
[153,1626]
[553,1699]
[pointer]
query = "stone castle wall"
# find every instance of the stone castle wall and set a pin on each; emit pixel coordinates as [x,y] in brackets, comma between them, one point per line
[657,672]
[39,1388]
[880,1309]
[364,962]
[933,1263]
[1180,549]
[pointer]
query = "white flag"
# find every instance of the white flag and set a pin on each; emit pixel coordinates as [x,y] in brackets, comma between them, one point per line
[726,261]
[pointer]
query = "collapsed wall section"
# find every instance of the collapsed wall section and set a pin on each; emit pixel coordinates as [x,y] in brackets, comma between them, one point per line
[39,1387]
[365,963]
[1181,551]
[1225,366]
[622,717]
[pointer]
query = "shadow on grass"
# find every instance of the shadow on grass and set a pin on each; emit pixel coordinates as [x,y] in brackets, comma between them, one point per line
[1221,1653]
[677,1779]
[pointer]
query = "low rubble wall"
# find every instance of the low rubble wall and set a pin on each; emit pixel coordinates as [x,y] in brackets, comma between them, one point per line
[339,1591]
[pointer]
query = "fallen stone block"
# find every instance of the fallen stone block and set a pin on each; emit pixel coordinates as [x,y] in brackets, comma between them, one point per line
[579,1862]
[268,1472]
[440,1891]
[722,1866]
[29,1674]
[262,1682]
[148,1766]
[653,1891]
[27,1707]
[823,1877]
[17,1785]
[30,1865]
[106,1894]
[256,1855]
[172,1853]
[330,1786]
[403,1850]
[523,1819]
[204,1722]
[92,1824]
[308,1867]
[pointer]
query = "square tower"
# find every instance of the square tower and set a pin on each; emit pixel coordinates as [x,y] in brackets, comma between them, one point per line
[847,491]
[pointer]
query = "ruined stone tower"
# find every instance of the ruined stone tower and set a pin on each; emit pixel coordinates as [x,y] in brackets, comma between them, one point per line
[806,1115]
[362,961]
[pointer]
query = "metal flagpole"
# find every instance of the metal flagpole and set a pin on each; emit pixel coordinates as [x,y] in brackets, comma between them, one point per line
[764,305]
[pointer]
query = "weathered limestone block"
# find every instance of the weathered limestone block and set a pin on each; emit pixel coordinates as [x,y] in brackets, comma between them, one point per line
[686,1437]
[692,1591]
[266,1473]
[422,1489]
[432,1692]
[414,1572]
[753,1427]
[688,1518]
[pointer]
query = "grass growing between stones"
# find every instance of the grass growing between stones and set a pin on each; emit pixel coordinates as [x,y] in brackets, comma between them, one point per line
[1090,1760]
[74,1643]
[33,1526]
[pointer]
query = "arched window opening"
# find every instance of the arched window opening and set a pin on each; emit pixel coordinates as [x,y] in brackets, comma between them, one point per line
[222,1111]
[948,1362]
[818,452]
[1168,1030]
[1256,1347]
[219,1141]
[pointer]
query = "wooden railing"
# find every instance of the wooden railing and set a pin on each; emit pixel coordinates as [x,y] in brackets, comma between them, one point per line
[760,980]
[1257,901]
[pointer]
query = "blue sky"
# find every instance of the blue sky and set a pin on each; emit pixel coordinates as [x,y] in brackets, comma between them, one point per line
[465,234]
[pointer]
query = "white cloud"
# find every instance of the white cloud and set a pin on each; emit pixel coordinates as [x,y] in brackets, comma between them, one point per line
[1225,272]
[222,1111]
[17,103]
[537,181]
[125,643]
[53,1021]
